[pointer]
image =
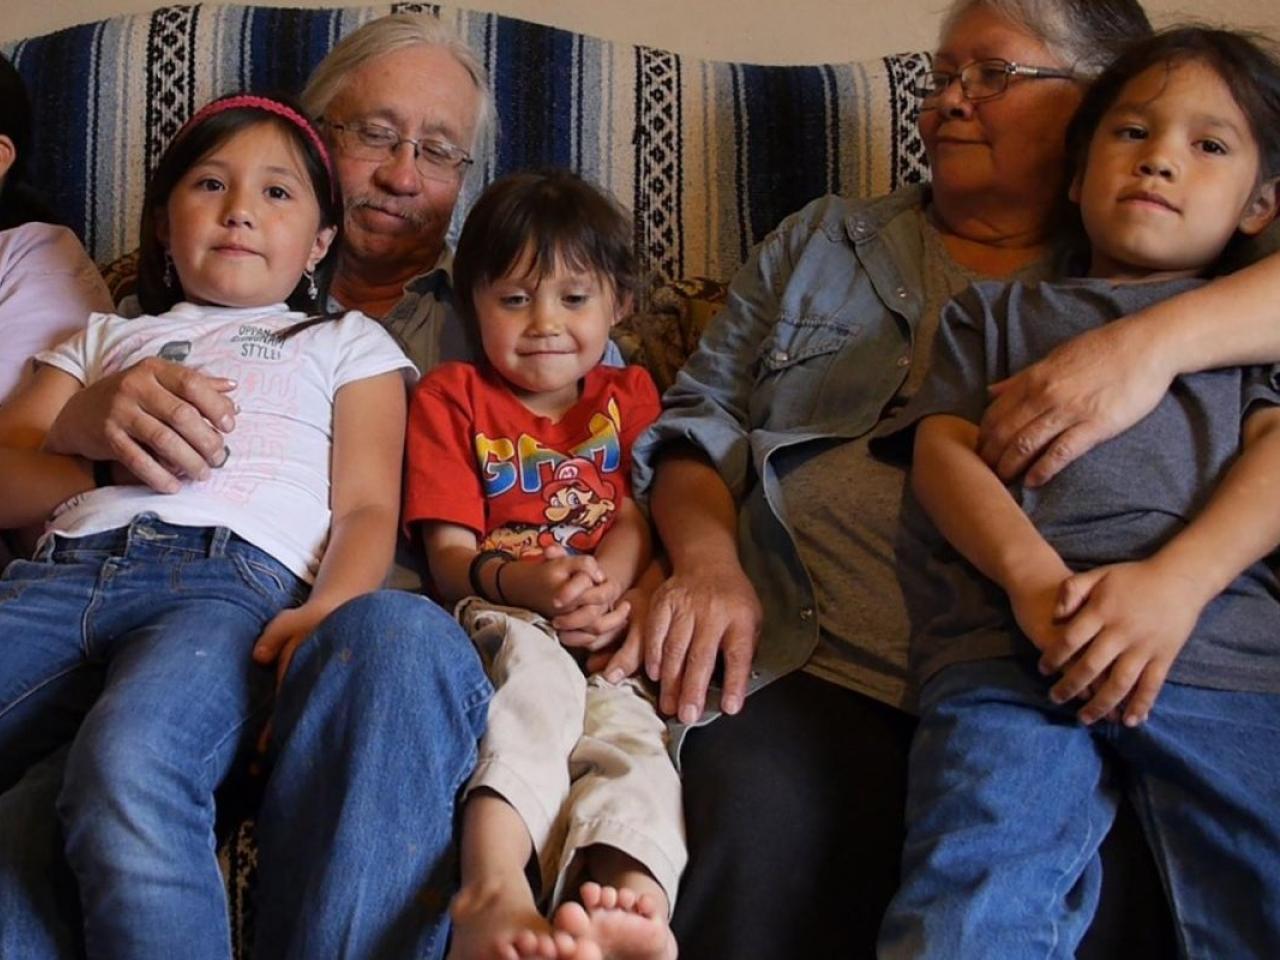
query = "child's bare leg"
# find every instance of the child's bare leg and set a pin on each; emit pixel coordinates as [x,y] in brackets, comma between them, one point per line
[623,911]
[494,914]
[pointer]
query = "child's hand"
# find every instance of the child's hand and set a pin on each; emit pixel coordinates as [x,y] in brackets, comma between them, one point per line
[625,660]
[1128,621]
[284,634]
[588,585]
[278,643]
[553,584]
[1035,600]
[606,632]
[592,626]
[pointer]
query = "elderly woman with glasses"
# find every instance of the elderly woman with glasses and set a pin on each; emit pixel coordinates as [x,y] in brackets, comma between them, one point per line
[781,528]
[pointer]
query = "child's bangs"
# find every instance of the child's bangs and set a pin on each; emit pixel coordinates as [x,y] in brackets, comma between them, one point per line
[550,251]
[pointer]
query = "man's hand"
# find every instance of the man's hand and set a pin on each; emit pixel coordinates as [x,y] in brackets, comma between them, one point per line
[1127,621]
[159,420]
[1086,391]
[692,618]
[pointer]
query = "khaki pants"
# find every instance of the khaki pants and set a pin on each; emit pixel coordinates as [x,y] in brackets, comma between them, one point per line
[583,761]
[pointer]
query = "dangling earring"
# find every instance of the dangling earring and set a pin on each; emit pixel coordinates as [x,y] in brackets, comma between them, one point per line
[312,290]
[168,269]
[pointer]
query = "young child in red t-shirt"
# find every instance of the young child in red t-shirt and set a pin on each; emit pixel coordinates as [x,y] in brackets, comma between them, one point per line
[519,483]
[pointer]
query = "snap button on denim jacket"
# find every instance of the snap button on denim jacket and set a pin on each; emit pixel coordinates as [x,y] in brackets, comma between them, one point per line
[806,348]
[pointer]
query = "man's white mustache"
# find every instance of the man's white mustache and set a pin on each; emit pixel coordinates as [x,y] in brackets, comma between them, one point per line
[410,216]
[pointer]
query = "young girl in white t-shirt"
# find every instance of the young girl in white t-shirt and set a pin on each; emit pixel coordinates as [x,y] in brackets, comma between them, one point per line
[145,629]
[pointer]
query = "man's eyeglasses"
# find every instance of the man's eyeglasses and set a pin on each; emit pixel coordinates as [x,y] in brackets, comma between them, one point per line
[435,158]
[981,80]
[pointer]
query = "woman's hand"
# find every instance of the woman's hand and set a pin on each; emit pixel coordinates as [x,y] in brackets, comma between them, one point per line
[1086,391]
[692,618]
[1124,625]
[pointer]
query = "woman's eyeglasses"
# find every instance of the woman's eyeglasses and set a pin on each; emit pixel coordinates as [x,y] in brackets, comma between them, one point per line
[981,80]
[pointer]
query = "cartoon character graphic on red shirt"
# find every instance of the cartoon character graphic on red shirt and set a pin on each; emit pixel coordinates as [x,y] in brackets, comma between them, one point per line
[579,506]
[517,539]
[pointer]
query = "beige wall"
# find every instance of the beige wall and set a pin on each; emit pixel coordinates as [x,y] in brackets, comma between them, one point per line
[764,31]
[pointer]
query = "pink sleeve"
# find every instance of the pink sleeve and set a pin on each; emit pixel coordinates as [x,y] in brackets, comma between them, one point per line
[48,288]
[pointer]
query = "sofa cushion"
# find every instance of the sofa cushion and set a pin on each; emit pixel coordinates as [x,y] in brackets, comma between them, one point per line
[709,155]
[666,330]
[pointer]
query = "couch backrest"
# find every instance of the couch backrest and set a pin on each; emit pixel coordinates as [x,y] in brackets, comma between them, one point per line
[708,155]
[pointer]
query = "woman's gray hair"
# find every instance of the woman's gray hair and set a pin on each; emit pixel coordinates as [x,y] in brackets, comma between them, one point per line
[1086,34]
[395,32]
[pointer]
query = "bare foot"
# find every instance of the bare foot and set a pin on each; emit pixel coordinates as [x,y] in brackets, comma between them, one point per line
[499,921]
[622,924]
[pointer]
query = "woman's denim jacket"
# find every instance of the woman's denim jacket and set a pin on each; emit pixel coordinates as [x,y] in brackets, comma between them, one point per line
[813,343]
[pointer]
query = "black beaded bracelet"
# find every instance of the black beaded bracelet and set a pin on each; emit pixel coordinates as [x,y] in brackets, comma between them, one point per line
[477,563]
[497,581]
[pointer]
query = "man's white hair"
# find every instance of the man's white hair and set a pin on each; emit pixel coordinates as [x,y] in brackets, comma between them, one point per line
[396,32]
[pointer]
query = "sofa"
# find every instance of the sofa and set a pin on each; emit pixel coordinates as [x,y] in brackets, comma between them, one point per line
[708,155]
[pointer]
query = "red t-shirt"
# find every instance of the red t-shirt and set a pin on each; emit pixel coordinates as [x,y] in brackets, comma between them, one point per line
[479,458]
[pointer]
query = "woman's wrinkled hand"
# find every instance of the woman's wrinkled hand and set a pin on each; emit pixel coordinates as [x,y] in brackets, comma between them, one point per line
[693,618]
[1086,391]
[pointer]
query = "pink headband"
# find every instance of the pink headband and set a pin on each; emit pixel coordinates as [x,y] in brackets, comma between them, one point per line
[255,102]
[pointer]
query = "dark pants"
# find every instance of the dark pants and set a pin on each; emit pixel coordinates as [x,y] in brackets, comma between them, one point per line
[794,812]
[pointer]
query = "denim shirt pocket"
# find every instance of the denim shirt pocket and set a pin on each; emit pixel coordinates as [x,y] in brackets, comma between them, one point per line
[792,365]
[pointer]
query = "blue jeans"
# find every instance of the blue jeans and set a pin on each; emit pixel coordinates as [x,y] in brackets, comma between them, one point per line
[374,733]
[135,645]
[1009,799]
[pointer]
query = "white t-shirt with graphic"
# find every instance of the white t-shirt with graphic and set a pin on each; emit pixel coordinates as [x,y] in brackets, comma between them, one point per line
[273,489]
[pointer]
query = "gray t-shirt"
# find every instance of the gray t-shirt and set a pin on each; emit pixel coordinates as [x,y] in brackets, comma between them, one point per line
[844,506]
[1120,502]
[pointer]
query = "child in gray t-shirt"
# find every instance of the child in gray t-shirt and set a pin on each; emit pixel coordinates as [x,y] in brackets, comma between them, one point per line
[1053,609]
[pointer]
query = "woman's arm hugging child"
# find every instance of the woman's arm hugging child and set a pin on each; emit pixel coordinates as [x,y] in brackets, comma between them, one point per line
[1138,572]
